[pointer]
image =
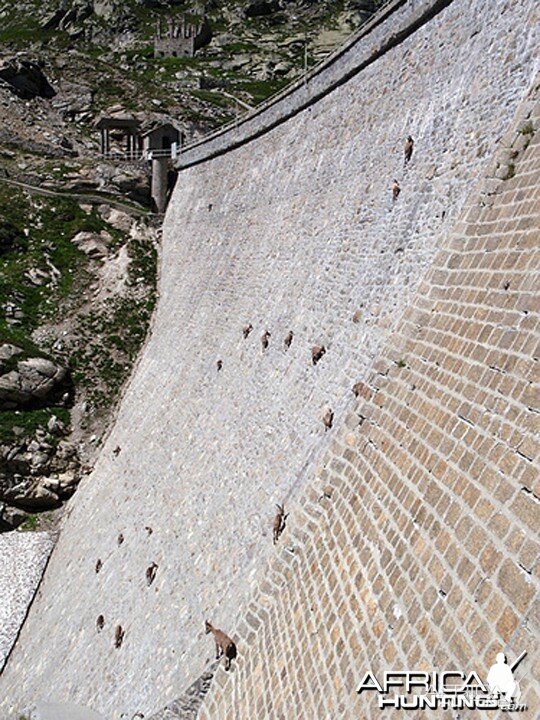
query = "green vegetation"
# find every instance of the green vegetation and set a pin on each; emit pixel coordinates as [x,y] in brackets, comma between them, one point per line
[47,226]
[111,341]
[261,90]
[31,524]
[105,340]
[28,421]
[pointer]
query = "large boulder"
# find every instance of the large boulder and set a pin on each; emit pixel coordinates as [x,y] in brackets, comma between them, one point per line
[32,495]
[26,79]
[95,245]
[33,382]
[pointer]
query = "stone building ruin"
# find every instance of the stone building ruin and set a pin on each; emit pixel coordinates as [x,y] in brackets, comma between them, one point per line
[181,39]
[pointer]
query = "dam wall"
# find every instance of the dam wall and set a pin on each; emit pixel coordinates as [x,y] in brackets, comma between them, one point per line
[415,546]
[290,227]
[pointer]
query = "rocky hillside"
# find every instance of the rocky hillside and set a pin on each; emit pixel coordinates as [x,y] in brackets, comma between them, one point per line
[78,250]
[77,287]
[95,54]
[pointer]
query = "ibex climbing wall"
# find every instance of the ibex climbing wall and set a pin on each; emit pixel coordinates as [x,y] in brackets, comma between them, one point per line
[294,230]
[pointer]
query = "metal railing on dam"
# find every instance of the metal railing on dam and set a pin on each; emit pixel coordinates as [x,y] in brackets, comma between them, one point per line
[325,76]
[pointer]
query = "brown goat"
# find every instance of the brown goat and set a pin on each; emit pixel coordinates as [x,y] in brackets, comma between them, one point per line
[117,450]
[246,330]
[328,419]
[118,636]
[279,522]
[224,645]
[219,365]
[288,339]
[265,338]
[408,151]
[396,189]
[317,351]
[151,573]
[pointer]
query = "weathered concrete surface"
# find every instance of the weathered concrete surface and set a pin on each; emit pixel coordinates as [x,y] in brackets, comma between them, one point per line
[22,559]
[43,710]
[416,544]
[295,230]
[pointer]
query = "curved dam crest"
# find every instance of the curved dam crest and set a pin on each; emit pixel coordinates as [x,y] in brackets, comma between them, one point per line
[295,230]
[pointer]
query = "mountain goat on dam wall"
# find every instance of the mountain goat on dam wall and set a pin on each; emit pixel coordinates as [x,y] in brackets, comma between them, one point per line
[224,645]
[279,522]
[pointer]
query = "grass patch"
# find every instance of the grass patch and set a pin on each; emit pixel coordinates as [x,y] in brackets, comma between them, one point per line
[216,98]
[31,524]
[261,90]
[47,226]
[28,421]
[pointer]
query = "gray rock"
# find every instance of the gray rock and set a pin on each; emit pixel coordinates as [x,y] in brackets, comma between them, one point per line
[34,382]
[104,8]
[73,99]
[11,517]
[8,351]
[39,461]
[55,425]
[92,244]
[64,485]
[32,496]
[116,218]
[282,68]
[22,558]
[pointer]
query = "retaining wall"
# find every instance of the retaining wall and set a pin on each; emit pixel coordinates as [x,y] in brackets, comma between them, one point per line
[294,229]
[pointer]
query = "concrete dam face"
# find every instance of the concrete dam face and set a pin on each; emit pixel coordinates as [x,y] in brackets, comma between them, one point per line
[408,538]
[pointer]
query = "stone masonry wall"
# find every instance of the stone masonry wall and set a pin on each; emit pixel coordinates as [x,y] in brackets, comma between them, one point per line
[294,230]
[416,545]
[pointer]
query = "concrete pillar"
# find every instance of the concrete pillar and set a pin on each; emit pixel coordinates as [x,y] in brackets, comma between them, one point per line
[159,183]
[105,145]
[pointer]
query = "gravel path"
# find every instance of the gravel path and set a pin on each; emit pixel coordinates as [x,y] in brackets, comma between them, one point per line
[22,561]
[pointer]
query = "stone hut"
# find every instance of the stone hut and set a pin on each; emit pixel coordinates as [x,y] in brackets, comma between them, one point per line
[161,137]
[181,39]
